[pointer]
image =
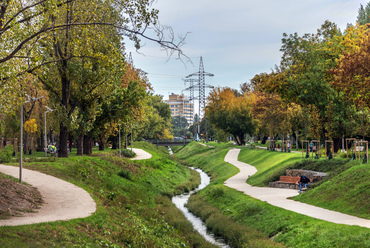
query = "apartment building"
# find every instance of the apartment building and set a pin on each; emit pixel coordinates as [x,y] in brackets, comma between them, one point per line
[180,106]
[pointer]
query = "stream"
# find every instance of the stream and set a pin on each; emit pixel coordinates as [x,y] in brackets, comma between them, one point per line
[198,224]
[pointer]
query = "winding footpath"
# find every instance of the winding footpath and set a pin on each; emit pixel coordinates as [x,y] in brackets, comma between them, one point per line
[62,200]
[278,197]
[65,201]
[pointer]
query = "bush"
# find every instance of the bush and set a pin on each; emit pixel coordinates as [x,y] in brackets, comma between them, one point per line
[126,174]
[128,153]
[6,155]
[217,191]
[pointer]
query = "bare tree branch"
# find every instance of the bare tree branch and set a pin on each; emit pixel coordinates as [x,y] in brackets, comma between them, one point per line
[168,44]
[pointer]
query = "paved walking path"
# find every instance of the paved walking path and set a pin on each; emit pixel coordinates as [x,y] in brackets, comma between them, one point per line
[141,154]
[62,200]
[278,197]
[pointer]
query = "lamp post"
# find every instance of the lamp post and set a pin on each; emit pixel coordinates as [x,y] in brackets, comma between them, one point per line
[21,142]
[126,135]
[119,131]
[131,137]
[45,139]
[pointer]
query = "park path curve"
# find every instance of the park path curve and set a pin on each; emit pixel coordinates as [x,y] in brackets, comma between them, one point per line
[62,200]
[278,197]
[141,154]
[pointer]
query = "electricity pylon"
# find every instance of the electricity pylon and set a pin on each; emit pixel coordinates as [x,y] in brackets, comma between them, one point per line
[201,86]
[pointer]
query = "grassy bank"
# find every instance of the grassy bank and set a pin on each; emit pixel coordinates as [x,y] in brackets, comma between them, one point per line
[346,189]
[274,224]
[268,164]
[133,207]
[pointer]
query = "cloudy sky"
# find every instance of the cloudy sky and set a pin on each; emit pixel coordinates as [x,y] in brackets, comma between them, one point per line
[237,39]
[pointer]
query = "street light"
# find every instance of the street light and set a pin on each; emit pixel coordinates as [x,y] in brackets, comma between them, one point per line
[45,141]
[21,148]
[131,137]
[126,136]
[119,125]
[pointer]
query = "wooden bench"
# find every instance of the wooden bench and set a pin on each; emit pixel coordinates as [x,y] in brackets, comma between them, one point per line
[289,179]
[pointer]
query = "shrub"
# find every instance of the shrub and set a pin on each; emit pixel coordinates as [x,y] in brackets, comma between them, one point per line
[217,191]
[125,174]
[128,153]
[6,155]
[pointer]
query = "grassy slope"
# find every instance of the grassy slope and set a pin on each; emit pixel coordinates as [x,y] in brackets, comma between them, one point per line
[267,163]
[349,192]
[292,229]
[133,209]
[347,189]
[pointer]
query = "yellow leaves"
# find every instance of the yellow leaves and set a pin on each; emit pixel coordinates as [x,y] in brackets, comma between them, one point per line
[30,126]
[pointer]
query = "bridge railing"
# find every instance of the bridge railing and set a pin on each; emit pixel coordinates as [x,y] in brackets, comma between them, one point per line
[168,141]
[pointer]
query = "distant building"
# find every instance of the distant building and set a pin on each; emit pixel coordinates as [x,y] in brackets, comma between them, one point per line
[180,106]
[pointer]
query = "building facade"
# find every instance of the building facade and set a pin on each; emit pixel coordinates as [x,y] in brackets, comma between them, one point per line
[180,106]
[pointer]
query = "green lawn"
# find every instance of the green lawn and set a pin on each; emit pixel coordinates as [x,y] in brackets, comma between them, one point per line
[346,189]
[133,204]
[285,227]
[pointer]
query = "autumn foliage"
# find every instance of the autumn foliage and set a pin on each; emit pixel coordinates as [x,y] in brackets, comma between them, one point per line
[231,112]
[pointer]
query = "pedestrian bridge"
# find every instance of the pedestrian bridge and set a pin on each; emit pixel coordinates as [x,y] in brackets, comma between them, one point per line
[169,142]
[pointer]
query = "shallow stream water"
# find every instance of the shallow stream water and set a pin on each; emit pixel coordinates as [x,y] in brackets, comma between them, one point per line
[198,224]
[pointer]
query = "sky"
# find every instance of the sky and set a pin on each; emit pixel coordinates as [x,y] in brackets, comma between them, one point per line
[236,39]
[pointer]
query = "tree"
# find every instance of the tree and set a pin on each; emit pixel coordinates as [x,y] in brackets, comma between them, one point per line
[49,32]
[231,113]
[179,126]
[156,122]
[25,24]
[363,16]
[270,112]
[351,76]
[125,105]
[304,76]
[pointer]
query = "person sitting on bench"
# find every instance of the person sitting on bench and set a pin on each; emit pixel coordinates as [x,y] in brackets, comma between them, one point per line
[303,182]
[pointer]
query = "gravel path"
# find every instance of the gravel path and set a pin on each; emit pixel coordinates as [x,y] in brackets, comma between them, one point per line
[278,197]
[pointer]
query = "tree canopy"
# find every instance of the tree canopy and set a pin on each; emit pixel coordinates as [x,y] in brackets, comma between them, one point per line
[231,113]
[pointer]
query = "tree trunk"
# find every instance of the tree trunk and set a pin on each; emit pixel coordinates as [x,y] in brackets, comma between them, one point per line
[40,144]
[70,142]
[114,143]
[25,141]
[87,145]
[264,139]
[296,140]
[337,144]
[80,144]
[236,139]
[63,141]
[101,143]
[241,138]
